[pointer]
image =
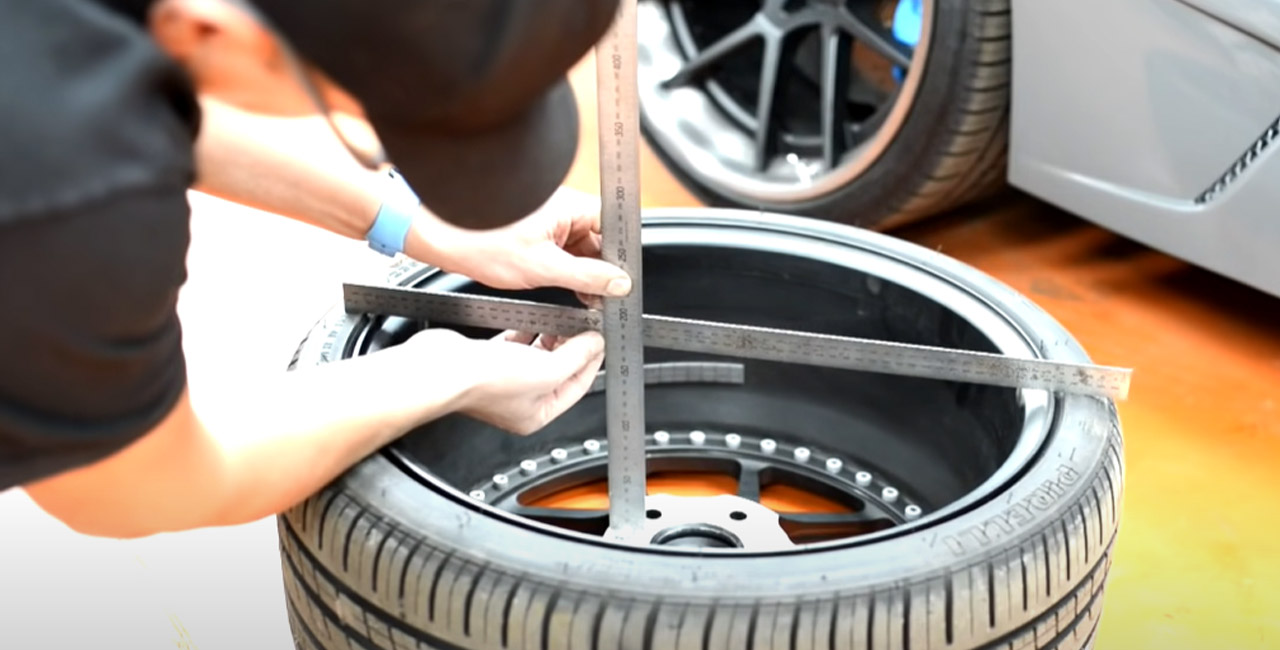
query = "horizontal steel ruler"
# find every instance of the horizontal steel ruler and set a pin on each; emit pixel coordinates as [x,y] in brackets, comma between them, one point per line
[746,341]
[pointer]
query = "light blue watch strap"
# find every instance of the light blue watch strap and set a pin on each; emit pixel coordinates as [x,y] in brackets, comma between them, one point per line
[396,214]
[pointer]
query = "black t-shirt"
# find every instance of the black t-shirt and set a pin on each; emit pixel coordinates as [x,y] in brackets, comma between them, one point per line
[96,135]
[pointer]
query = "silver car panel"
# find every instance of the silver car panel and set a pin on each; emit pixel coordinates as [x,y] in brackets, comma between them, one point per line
[1155,119]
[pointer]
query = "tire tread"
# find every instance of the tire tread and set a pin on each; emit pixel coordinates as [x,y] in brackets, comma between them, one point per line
[450,602]
[976,136]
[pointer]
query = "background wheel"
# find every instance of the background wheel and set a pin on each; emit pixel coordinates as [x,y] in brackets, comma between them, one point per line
[793,507]
[867,112]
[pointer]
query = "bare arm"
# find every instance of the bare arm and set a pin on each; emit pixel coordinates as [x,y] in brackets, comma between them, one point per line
[296,167]
[300,431]
[287,438]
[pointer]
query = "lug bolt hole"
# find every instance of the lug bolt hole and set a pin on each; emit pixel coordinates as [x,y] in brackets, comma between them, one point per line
[737,515]
[653,514]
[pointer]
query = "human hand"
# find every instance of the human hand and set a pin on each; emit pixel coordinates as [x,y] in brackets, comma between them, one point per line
[516,381]
[556,246]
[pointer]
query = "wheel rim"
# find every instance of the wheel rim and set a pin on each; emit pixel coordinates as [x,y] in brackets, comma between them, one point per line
[749,492]
[984,435]
[842,83]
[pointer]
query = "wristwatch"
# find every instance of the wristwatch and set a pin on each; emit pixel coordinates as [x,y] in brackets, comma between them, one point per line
[400,206]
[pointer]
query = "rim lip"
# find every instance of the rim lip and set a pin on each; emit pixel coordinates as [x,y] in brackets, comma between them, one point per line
[663,112]
[786,235]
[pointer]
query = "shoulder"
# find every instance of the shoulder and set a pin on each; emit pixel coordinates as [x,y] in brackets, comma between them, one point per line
[91,108]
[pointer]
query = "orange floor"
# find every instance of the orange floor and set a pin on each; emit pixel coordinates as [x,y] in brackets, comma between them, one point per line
[1198,560]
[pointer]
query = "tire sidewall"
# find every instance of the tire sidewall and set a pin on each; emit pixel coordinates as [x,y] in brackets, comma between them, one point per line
[1084,431]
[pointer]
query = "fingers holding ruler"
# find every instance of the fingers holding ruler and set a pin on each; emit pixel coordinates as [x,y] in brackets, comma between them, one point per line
[617,108]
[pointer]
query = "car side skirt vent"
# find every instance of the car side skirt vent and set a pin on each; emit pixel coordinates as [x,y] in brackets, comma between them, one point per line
[1242,163]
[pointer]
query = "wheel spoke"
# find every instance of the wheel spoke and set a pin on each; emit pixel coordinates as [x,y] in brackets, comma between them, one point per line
[749,479]
[835,86]
[695,68]
[813,526]
[770,71]
[584,521]
[864,27]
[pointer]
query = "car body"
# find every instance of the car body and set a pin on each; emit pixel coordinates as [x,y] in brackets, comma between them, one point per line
[1154,119]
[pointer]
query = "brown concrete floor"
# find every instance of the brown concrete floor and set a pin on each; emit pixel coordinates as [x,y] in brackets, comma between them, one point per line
[1198,559]
[1196,564]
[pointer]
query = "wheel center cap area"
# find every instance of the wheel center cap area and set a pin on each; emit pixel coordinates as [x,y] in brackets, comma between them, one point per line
[721,521]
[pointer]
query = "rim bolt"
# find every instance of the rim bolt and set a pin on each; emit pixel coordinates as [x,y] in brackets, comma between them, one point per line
[477,495]
[661,437]
[500,479]
[801,454]
[591,446]
[559,455]
[697,437]
[732,440]
[862,478]
[768,445]
[912,511]
[834,465]
[889,494]
[528,466]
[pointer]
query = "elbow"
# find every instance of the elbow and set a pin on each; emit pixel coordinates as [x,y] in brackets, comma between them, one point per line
[94,520]
[131,511]
[174,478]
[137,521]
[111,531]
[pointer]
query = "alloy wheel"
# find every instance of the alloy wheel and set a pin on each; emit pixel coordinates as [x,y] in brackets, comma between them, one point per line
[781,100]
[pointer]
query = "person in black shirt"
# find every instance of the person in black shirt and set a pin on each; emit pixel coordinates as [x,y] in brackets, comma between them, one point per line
[111,110]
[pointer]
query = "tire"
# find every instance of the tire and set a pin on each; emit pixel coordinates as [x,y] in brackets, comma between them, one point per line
[941,143]
[390,556]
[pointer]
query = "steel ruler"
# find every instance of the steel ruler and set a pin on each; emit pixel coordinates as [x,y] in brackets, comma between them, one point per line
[744,341]
[617,110]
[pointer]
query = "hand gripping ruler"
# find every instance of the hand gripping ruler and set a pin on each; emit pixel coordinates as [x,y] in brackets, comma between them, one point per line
[627,329]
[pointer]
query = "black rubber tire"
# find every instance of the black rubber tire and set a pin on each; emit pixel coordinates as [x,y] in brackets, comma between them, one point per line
[375,560]
[951,149]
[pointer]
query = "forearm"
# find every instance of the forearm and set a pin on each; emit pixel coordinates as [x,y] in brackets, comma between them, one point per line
[268,447]
[295,167]
[288,166]
[286,441]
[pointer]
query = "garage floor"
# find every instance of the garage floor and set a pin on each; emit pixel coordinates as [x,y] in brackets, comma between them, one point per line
[1198,557]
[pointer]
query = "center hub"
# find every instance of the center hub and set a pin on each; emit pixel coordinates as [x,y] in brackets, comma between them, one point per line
[722,521]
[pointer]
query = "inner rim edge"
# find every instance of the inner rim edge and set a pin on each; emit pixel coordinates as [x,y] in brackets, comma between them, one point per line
[1038,407]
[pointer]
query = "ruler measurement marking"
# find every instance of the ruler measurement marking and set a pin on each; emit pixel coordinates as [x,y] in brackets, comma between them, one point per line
[788,346]
[623,317]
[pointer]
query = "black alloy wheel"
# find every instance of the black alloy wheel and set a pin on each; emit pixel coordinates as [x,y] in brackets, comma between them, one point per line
[867,112]
[791,506]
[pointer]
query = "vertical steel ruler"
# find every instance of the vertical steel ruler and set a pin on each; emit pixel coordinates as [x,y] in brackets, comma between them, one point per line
[617,109]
